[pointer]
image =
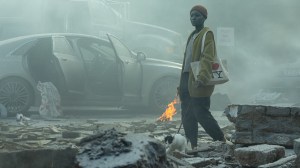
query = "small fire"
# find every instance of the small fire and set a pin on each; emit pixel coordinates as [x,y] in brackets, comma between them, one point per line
[169,112]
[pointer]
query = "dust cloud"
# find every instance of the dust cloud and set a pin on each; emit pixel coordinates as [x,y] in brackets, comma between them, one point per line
[264,45]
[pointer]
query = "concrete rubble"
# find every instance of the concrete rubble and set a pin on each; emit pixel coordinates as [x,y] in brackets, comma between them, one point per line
[257,124]
[93,143]
[114,149]
[256,155]
[270,131]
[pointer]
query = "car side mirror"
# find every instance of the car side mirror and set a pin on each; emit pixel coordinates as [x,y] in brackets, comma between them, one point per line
[141,56]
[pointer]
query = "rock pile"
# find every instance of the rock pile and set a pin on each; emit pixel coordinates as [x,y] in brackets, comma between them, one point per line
[265,124]
[111,149]
[269,130]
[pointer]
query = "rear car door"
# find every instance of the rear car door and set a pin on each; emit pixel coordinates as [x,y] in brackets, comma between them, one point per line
[131,71]
[70,64]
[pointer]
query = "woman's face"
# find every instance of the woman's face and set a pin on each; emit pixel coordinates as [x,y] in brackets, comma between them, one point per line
[197,19]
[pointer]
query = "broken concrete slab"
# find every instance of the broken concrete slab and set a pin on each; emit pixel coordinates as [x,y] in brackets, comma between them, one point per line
[256,155]
[284,162]
[297,162]
[257,124]
[297,146]
[297,151]
[202,162]
[55,158]
[48,134]
[114,149]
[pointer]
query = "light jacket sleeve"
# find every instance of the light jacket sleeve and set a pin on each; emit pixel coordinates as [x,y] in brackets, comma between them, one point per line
[206,59]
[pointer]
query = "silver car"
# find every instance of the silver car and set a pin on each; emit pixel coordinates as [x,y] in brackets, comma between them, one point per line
[87,71]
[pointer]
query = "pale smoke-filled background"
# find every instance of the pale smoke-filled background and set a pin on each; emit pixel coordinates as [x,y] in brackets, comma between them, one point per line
[264,40]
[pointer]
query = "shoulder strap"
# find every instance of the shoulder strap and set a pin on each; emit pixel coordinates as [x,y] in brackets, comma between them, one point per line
[203,40]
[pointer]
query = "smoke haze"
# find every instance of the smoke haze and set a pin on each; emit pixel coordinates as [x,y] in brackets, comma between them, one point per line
[265,42]
[266,39]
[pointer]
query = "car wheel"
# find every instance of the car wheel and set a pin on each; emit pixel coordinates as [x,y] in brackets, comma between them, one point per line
[163,93]
[16,95]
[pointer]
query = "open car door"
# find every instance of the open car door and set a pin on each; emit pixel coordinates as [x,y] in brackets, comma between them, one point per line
[131,71]
[70,64]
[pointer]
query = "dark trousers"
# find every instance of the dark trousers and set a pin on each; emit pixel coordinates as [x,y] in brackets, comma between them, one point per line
[194,111]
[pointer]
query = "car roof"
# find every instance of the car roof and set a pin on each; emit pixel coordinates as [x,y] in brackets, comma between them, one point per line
[35,36]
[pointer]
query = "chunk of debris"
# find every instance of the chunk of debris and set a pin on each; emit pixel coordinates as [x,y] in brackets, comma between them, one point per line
[114,149]
[257,124]
[284,162]
[256,155]
[202,162]
[297,151]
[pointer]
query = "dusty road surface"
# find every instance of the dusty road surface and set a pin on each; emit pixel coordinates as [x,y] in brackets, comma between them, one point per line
[120,115]
[87,122]
[67,131]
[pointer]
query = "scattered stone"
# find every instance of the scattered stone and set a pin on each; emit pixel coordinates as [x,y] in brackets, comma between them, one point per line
[284,162]
[256,155]
[43,134]
[54,129]
[202,162]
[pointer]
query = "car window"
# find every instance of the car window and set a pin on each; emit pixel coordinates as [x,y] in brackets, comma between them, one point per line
[92,50]
[61,45]
[87,55]
[24,48]
[121,49]
[100,62]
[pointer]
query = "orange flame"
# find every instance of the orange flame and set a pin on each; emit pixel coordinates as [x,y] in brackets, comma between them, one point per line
[169,112]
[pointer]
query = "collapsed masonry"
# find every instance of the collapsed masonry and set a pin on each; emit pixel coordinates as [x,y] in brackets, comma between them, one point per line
[269,131]
[265,124]
[110,149]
